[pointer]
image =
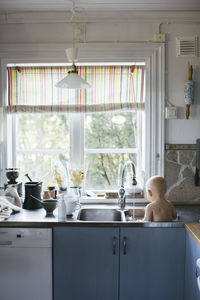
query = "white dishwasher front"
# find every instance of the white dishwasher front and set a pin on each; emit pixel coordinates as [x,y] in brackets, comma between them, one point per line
[25,263]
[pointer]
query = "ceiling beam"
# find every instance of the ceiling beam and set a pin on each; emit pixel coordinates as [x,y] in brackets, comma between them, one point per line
[96,16]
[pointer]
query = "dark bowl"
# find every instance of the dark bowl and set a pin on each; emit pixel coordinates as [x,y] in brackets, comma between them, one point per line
[49,205]
[12,174]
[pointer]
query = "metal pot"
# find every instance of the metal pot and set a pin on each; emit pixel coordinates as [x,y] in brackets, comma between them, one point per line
[32,188]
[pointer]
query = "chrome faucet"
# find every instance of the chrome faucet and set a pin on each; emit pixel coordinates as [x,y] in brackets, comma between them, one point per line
[122,192]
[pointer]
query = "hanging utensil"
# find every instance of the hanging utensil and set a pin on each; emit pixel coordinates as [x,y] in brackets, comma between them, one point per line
[189,92]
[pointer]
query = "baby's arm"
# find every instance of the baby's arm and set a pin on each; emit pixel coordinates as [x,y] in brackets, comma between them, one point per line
[174,213]
[148,214]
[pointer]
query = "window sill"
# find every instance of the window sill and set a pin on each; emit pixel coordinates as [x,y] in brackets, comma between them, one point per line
[91,200]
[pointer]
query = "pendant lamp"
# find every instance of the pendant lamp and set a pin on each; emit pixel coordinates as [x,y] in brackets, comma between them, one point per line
[72,80]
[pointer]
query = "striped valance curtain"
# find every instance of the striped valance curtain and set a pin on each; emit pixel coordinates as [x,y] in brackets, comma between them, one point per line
[32,89]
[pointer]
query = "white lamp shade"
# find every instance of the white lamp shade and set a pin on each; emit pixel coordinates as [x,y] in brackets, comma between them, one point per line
[73,81]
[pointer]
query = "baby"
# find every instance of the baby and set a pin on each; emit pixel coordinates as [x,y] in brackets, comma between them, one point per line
[159,210]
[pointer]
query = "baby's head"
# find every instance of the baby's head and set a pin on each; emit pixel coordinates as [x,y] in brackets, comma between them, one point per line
[156,187]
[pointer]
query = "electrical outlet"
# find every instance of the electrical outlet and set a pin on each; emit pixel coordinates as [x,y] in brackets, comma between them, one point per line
[159,37]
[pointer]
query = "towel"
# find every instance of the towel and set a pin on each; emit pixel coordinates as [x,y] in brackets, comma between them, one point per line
[10,202]
[12,193]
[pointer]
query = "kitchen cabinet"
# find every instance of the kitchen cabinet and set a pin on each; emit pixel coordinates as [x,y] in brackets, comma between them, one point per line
[152,263]
[191,272]
[86,261]
[119,263]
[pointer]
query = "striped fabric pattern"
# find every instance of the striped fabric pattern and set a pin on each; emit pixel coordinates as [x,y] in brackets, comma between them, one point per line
[32,89]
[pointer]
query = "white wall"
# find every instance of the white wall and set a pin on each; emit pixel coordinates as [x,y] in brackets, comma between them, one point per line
[181,130]
[177,131]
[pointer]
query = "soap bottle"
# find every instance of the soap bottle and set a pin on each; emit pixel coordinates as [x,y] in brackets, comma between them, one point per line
[61,209]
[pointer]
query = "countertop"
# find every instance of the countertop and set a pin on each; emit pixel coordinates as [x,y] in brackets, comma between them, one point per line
[37,218]
[194,230]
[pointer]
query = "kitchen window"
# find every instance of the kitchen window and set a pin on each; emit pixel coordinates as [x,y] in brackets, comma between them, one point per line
[40,140]
[101,142]
[108,140]
[153,54]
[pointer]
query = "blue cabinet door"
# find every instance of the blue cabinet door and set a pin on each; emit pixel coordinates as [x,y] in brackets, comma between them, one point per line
[152,263]
[192,254]
[86,263]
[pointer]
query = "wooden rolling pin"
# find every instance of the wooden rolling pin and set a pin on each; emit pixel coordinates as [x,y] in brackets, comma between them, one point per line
[189,92]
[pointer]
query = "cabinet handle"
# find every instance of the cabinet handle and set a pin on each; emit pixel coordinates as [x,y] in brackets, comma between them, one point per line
[196,273]
[198,278]
[124,245]
[114,244]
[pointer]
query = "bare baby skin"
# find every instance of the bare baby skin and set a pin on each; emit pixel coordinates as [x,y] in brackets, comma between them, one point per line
[159,210]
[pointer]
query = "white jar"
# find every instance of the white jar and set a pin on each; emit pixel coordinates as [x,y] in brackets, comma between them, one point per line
[72,204]
[61,209]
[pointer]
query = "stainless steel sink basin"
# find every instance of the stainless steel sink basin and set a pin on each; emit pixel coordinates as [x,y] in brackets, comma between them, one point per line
[101,214]
[135,214]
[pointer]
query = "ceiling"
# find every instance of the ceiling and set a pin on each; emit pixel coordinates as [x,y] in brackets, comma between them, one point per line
[99,5]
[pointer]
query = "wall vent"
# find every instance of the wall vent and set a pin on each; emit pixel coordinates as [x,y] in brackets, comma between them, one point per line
[187,46]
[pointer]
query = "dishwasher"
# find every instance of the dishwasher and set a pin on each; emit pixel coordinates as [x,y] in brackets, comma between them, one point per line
[25,264]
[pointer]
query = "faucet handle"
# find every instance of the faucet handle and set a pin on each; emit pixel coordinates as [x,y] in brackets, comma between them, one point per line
[134,181]
[121,192]
[122,197]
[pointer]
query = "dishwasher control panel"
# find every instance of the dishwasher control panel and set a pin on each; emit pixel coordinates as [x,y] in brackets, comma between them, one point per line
[26,237]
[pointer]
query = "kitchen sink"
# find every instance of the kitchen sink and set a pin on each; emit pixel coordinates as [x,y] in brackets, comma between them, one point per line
[101,214]
[135,214]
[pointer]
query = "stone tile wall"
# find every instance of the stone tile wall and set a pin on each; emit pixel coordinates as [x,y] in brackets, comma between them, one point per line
[180,166]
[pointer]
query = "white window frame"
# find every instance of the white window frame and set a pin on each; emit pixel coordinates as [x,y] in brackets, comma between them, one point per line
[77,148]
[152,53]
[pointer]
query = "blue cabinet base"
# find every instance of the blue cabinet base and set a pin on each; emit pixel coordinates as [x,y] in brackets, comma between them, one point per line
[118,263]
[192,254]
[84,264]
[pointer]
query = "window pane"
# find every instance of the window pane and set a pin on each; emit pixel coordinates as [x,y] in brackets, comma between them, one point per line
[42,131]
[38,166]
[103,170]
[117,130]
